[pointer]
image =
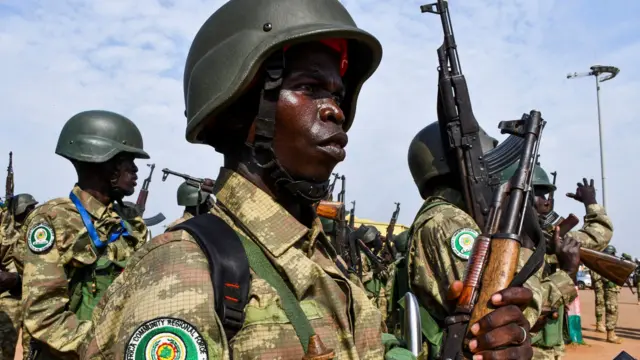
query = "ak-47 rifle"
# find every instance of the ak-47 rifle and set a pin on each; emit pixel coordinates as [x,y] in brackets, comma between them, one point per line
[352,215]
[9,185]
[201,184]
[389,236]
[608,266]
[332,186]
[193,181]
[141,203]
[497,249]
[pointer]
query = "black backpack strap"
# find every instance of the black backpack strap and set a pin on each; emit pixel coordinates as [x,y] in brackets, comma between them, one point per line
[228,266]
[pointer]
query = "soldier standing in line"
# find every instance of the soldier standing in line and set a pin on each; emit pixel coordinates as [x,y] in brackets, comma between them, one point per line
[280,118]
[440,240]
[560,289]
[11,231]
[194,200]
[607,305]
[77,245]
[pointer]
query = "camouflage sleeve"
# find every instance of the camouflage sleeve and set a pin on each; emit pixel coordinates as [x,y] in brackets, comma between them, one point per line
[165,290]
[437,255]
[45,290]
[535,284]
[597,230]
[139,230]
[558,290]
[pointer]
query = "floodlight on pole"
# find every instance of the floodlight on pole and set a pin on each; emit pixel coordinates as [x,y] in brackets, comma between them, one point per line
[601,73]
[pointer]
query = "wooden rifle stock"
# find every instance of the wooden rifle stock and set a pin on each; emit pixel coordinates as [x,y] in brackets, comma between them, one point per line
[608,266]
[330,209]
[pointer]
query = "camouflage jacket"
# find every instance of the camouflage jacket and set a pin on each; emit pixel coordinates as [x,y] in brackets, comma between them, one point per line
[57,242]
[441,243]
[10,232]
[185,216]
[167,287]
[597,229]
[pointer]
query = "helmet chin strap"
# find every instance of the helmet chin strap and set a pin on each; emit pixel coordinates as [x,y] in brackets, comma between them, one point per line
[262,152]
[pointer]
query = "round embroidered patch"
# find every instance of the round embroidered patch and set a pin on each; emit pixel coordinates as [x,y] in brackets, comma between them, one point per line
[462,242]
[40,238]
[166,339]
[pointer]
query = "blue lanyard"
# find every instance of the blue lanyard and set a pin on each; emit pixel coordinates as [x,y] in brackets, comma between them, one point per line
[91,230]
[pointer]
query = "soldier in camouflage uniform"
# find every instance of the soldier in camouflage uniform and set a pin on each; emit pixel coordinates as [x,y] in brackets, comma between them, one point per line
[77,245]
[441,238]
[373,278]
[194,201]
[558,286]
[11,232]
[607,303]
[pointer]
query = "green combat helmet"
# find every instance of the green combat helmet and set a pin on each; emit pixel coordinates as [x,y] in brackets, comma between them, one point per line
[21,202]
[96,136]
[190,196]
[427,158]
[241,47]
[611,250]
[400,242]
[540,177]
[627,257]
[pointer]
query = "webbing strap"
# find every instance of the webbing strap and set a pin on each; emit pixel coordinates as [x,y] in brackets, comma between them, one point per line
[91,230]
[265,269]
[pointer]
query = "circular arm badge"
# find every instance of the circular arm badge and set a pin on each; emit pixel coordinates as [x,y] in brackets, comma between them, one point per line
[40,238]
[462,242]
[166,339]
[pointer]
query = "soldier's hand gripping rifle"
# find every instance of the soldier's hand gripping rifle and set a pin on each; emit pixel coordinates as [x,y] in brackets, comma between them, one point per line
[608,266]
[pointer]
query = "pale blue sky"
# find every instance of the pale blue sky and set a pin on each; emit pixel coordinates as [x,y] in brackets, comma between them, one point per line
[62,57]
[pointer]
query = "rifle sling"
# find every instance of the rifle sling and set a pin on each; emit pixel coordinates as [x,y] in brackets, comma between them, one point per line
[532,228]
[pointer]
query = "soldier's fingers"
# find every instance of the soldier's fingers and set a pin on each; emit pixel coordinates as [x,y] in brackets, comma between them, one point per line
[591,183]
[510,334]
[571,195]
[512,296]
[498,318]
[556,238]
[512,353]
[455,289]
[584,180]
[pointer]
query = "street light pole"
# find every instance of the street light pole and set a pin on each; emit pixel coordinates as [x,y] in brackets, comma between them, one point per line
[596,71]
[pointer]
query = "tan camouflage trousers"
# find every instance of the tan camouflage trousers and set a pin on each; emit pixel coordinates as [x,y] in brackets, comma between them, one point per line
[547,354]
[606,303]
[9,325]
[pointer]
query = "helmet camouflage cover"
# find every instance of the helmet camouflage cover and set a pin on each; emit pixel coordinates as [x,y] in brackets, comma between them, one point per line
[230,48]
[96,136]
[426,155]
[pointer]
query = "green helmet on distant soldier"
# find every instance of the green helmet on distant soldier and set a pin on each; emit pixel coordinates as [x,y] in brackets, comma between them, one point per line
[611,250]
[427,158]
[540,178]
[22,204]
[238,57]
[190,196]
[103,142]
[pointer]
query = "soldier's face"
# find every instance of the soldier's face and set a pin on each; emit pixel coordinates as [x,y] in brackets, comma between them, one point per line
[543,204]
[126,174]
[309,140]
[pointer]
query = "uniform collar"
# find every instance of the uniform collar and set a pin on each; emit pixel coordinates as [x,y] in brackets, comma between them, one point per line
[449,195]
[94,207]
[269,223]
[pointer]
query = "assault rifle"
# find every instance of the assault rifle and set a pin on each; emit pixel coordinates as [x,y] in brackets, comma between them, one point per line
[141,203]
[352,216]
[9,184]
[193,181]
[389,237]
[497,209]
[345,244]
[332,187]
[608,266]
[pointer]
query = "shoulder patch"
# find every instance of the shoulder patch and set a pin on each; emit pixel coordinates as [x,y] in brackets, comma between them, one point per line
[462,242]
[166,338]
[40,238]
